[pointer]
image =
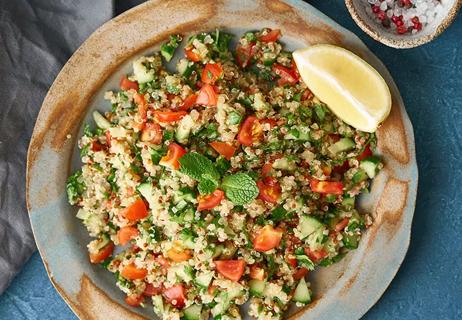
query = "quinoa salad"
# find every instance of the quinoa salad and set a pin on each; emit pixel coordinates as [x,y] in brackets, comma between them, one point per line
[223,183]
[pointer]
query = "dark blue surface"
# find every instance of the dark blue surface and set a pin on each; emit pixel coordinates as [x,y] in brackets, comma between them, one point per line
[429,283]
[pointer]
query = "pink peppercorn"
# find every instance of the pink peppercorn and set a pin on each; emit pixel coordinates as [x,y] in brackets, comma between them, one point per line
[376,9]
[394,18]
[415,20]
[418,26]
[381,15]
[399,23]
[402,29]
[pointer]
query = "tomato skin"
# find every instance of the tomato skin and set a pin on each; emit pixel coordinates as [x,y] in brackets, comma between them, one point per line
[307,95]
[191,55]
[292,262]
[231,269]
[169,116]
[140,101]
[150,290]
[126,234]
[244,54]
[103,254]
[134,300]
[271,36]
[328,187]
[211,73]
[176,293]
[126,84]
[257,272]
[288,76]
[225,149]
[108,138]
[136,211]
[96,146]
[210,201]
[152,133]
[365,154]
[207,96]
[300,273]
[188,103]
[270,189]
[131,272]
[317,255]
[266,169]
[250,131]
[342,224]
[163,262]
[174,153]
[341,169]
[267,238]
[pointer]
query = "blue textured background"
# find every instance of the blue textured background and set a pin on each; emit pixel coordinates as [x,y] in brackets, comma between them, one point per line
[429,283]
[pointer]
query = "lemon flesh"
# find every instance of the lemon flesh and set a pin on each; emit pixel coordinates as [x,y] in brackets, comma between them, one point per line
[350,87]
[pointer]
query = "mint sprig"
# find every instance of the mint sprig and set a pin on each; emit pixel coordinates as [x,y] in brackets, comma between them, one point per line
[198,167]
[240,188]
[207,186]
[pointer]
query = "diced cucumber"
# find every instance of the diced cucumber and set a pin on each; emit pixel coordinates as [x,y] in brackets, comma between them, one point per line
[316,239]
[184,128]
[309,225]
[140,72]
[183,272]
[100,120]
[228,250]
[302,293]
[343,144]
[158,305]
[351,241]
[102,241]
[146,191]
[203,280]
[188,241]
[348,201]
[284,164]
[217,251]
[370,165]
[222,305]
[182,65]
[256,287]
[193,312]
[82,214]
[184,194]
[359,176]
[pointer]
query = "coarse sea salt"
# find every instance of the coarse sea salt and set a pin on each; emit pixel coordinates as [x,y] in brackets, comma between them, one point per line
[405,16]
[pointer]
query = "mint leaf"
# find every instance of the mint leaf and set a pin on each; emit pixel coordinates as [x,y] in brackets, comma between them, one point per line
[207,186]
[198,167]
[240,188]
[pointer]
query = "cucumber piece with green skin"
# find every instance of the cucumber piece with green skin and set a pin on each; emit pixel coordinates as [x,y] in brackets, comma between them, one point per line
[343,144]
[309,225]
[146,191]
[184,128]
[103,241]
[188,241]
[82,214]
[370,165]
[141,73]
[348,201]
[351,241]
[222,305]
[359,176]
[256,287]
[158,305]
[203,280]
[302,293]
[193,312]
[100,120]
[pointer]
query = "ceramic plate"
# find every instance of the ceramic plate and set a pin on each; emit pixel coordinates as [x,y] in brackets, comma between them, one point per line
[343,291]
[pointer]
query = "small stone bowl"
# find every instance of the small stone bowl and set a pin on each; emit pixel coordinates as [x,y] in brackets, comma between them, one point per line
[389,37]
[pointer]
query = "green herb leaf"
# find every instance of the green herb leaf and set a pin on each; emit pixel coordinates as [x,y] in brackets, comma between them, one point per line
[278,214]
[240,188]
[198,167]
[207,186]
[222,165]
[75,187]
[304,261]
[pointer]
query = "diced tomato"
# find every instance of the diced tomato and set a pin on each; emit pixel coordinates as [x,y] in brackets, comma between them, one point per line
[140,101]
[103,254]
[163,262]
[174,153]
[125,234]
[96,146]
[300,273]
[292,262]
[227,150]
[334,137]
[188,103]
[316,255]
[266,169]
[211,290]
[178,253]
[326,170]
[108,138]
[169,116]
[207,96]
[287,76]
[136,211]
[270,189]
[231,269]
[257,272]
[342,225]
[341,169]
[329,187]
[244,54]
[271,36]
[134,300]
[210,201]
[150,290]
[250,131]
[211,73]
[191,55]
[175,295]
[126,84]
[267,238]
[365,154]
[131,272]
[152,133]
[307,95]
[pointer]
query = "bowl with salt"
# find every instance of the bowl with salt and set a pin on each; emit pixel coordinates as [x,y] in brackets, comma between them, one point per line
[403,23]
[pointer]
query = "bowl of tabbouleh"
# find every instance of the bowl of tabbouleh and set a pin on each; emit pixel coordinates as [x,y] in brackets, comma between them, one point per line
[207,180]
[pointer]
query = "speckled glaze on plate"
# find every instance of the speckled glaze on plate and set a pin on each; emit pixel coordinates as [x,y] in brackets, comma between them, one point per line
[343,291]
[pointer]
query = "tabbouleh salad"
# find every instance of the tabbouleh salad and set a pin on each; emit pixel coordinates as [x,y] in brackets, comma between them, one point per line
[224,183]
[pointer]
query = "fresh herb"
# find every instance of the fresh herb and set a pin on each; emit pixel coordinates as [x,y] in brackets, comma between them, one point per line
[168,135]
[222,165]
[111,179]
[272,266]
[234,118]
[278,214]
[198,167]
[320,112]
[250,37]
[87,131]
[167,50]
[304,261]
[207,186]
[84,150]
[240,188]
[75,187]
[157,154]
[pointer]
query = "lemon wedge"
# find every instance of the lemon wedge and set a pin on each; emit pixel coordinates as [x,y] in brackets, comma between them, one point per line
[350,87]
